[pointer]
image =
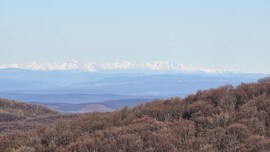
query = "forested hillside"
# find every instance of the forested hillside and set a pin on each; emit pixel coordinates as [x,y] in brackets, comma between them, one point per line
[225,119]
[11,111]
[18,116]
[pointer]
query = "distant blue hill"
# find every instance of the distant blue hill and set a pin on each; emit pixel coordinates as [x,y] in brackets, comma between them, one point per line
[159,85]
[79,87]
[68,98]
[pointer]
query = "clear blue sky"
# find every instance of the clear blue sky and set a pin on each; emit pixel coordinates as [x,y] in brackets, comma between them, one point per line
[224,34]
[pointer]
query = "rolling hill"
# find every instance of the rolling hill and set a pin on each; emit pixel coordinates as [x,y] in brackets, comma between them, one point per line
[226,119]
[76,91]
[24,116]
[23,109]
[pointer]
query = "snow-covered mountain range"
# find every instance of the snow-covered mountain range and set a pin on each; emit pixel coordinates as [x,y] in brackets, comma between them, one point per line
[124,66]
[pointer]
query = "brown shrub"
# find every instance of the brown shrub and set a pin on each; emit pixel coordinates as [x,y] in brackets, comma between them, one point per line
[225,119]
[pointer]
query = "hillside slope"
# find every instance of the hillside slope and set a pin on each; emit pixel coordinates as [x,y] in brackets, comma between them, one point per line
[225,119]
[24,109]
[18,116]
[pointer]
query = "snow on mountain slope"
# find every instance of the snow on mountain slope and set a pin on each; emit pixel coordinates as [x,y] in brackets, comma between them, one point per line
[124,66]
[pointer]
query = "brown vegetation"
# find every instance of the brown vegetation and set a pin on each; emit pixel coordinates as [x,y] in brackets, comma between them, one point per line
[225,119]
[19,116]
[24,110]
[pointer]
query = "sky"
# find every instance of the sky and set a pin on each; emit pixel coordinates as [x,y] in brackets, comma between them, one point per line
[225,34]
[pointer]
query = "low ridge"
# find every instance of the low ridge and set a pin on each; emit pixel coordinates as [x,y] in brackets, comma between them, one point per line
[24,109]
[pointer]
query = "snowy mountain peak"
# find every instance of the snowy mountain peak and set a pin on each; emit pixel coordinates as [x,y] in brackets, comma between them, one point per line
[124,66]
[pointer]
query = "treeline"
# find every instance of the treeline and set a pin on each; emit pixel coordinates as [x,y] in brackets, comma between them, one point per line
[227,119]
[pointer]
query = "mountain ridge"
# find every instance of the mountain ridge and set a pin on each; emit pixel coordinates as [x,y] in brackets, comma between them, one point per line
[124,66]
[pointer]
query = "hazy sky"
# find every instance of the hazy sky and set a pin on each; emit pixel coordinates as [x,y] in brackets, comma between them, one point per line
[220,34]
